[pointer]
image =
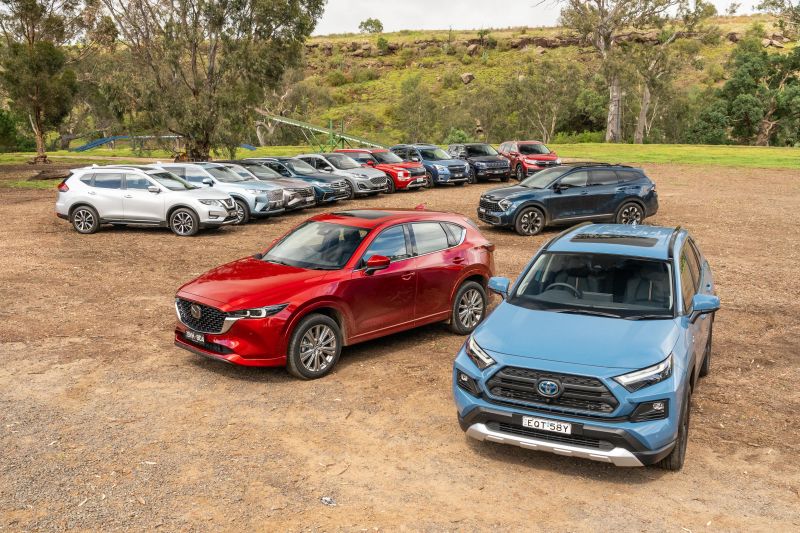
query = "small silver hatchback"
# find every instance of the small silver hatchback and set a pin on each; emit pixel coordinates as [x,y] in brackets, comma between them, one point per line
[122,195]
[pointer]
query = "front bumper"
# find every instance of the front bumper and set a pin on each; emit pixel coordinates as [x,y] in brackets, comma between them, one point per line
[413,182]
[329,195]
[366,187]
[489,173]
[265,207]
[215,217]
[496,218]
[442,177]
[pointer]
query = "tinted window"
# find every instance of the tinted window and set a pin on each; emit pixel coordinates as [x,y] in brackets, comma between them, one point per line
[178,171]
[604,177]
[687,280]
[533,149]
[694,266]
[108,181]
[479,150]
[390,243]
[576,179]
[455,233]
[278,167]
[433,154]
[402,153]
[429,237]
[171,181]
[132,181]
[628,175]
[87,179]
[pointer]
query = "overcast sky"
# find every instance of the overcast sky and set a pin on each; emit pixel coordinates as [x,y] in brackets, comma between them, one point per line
[343,16]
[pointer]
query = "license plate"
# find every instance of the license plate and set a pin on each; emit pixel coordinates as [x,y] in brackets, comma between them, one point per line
[481,210]
[543,424]
[457,175]
[195,337]
[498,171]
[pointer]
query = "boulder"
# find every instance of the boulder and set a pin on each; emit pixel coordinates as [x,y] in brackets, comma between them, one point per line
[467,77]
[472,49]
[734,37]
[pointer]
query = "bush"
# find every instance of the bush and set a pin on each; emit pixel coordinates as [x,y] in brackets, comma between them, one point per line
[407,55]
[336,78]
[466,59]
[383,45]
[455,136]
[361,75]
[563,137]
[451,80]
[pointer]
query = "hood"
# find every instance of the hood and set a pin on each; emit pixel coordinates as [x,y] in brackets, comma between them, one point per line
[539,157]
[320,176]
[488,159]
[255,184]
[510,192]
[601,342]
[367,172]
[405,165]
[203,193]
[448,162]
[249,283]
[288,183]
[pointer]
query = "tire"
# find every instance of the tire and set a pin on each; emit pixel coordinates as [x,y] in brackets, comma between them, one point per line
[85,220]
[324,328]
[469,308]
[390,186]
[705,368]
[505,178]
[351,192]
[184,222]
[529,221]
[471,178]
[428,181]
[630,213]
[242,212]
[676,458]
[520,172]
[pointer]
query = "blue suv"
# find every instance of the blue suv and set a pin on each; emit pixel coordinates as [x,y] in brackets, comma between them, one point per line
[440,167]
[595,350]
[572,193]
[327,187]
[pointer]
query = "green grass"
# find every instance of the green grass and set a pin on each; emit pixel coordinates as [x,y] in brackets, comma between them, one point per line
[38,184]
[680,154]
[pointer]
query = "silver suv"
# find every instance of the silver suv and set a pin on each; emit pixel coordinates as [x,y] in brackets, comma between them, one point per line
[296,194]
[122,195]
[253,197]
[361,180]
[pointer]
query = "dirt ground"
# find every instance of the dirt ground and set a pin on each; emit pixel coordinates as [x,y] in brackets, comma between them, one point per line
[105,425]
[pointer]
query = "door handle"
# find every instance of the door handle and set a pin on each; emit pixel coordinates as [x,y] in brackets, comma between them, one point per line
[128,196]
[406,277]
[92,193]
[458,260]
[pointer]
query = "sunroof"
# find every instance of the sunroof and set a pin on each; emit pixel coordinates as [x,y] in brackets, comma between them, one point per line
[626,240]
[369,214]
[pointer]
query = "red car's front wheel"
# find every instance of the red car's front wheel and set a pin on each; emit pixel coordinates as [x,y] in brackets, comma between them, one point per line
[315,347]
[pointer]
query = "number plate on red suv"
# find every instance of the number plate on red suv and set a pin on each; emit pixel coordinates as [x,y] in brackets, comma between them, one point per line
[199,338]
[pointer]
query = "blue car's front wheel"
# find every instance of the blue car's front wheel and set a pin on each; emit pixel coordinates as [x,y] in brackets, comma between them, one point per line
[674,461]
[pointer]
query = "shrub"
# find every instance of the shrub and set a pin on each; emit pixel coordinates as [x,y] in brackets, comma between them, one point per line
[451,80]
[383,45]
[563,137]
[336,78]
[456,135]
[361,75]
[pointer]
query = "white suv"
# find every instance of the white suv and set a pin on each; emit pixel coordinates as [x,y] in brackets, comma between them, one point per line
[122,195]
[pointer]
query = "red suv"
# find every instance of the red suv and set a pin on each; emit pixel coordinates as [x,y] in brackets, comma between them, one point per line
[335,280]
[403,174]
[528,157]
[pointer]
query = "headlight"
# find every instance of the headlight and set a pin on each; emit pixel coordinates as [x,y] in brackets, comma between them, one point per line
[558,161]
[440,168]
[211,202]
[258,312]
[402,174]
[480,164]
[477,355]
[647,376]
[504,204]
[255,191]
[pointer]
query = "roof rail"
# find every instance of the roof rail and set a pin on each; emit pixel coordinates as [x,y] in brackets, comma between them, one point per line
[568,230]
[672,239]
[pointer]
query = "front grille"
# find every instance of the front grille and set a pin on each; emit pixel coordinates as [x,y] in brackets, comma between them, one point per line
[546,164]
[276,196]
[575,440]
[457,168]
[496,164]
[490,205]
[211,320]
[305,193]
[228,203]
[417,171]
[579,393]
[378,181]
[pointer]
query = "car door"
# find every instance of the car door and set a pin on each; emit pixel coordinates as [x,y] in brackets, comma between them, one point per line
[106,195]
[570,199]
[603,191]
[139,204]
[438,266]
[383,300]
[701,276]
[689,279]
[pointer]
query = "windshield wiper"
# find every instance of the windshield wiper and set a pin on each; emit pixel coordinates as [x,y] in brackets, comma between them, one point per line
[585,312]
[276,261]
[646,317]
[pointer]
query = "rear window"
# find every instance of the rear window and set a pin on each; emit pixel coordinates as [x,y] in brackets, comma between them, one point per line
[87,178]
[628,175]
[455,233]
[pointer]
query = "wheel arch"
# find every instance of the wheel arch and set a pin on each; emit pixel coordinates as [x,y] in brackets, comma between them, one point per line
[533,203]
[631,199]
[81,203]
[328,308]
[175,207]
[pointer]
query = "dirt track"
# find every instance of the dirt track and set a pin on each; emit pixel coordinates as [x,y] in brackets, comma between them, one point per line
[105,425]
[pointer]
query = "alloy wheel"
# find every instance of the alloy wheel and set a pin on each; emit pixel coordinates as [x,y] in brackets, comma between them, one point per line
[317,348]
[351,193]
[471,175]
[182,223]
[631,214]
[239,213]
[470,308]
[531,222]
[83,220]
[428,180]
[520,176]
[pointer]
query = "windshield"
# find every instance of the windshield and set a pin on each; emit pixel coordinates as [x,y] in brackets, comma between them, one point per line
[299,167]
[239,170]
[619,286]
[533,149]
[317,246]
[543,178]
[342,162]
[226,175]
[262,172]
[434,154]
[387,157]
[479,150]
[171,181]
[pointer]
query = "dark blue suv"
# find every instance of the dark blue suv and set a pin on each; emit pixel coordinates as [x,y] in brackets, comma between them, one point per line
[440,167]
[572,193]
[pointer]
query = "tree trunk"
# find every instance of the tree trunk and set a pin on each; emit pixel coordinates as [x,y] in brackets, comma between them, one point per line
[641,123]
[39,135]
[198,150]
[765,131]
[614,121]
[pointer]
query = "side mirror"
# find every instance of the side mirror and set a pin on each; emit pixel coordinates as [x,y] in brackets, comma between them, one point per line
[153,189]
[415,159]
[370,163]
[208,181]
[558,188]
[376,263]
[258,256]
[327,168]
[703,304]
[499,286]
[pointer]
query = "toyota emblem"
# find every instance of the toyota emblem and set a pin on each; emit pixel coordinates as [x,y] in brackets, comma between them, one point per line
[548,388]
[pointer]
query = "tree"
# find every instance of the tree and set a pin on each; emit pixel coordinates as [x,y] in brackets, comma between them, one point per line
[208,63]
[416,111]
[371,25]
[787,12]
[602,22]
[35,72]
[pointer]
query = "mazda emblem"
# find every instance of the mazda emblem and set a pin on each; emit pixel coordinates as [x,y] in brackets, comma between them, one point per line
[196,311]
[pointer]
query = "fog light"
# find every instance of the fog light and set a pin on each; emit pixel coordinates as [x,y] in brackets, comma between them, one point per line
[467,383]
[655,410]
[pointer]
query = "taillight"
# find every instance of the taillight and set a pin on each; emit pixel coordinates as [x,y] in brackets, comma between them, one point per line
[62,187]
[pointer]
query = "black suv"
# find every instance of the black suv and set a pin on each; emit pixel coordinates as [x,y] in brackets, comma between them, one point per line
[483,161]
[572,193]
